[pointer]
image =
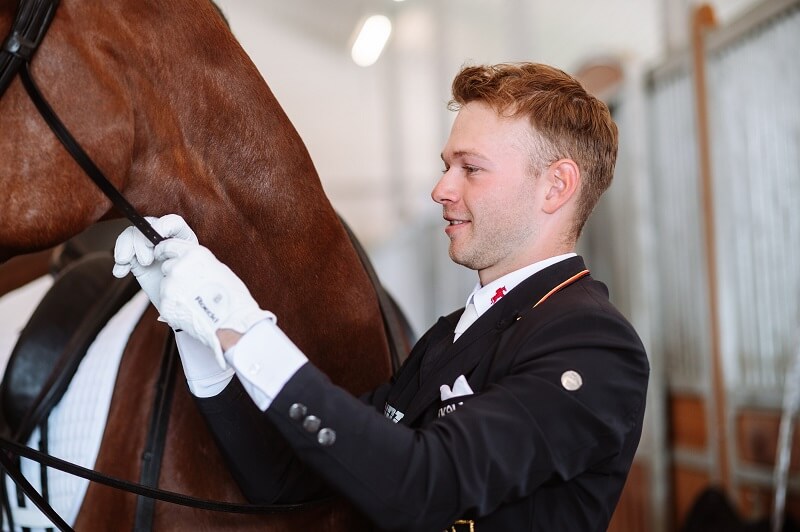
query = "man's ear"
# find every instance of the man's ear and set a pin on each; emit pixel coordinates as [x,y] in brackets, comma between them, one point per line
[562,181]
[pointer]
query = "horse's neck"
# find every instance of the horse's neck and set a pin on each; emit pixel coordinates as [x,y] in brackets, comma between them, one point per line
[254,198]
[218,149]
[212,139]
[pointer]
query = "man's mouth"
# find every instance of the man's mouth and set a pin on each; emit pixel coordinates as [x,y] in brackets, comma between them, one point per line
[452,220]
[453,225]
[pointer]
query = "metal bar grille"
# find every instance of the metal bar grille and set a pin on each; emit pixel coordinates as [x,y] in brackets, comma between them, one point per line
[754,98]
[753,84]
[683,334]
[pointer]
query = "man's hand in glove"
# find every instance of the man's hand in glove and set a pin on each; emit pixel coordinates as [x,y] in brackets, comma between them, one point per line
[133,253]
[202,296]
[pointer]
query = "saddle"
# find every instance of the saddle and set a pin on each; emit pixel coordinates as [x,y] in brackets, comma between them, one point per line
[84,296]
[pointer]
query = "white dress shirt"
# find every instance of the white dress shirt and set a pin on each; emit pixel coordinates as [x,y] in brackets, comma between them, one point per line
[483,297]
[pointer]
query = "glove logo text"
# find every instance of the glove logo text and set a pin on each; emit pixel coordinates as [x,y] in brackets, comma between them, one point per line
[213,317]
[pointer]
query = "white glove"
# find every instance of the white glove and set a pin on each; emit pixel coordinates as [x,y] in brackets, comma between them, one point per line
[133,253]
[200,295]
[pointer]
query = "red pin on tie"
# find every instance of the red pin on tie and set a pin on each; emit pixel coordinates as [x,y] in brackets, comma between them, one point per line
[498,294]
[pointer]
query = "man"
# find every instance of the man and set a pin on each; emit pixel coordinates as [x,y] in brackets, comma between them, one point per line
[522,412]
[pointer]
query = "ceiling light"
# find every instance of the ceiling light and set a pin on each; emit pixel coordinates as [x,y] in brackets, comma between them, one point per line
[371,39]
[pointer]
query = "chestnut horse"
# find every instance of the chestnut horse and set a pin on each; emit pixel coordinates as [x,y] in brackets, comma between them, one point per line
[169,105]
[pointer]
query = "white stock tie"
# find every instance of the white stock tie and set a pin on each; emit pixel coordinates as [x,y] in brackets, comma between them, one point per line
[467,318]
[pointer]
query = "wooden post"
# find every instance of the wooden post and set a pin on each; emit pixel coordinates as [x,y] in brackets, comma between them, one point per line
[702,20]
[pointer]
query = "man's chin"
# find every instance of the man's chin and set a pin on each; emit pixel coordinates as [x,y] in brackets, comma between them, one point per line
[460,258]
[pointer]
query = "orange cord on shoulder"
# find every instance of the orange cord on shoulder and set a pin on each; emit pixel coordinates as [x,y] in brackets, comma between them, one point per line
[562,285]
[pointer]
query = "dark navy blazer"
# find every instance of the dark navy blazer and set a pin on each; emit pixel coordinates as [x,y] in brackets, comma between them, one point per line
[545,442]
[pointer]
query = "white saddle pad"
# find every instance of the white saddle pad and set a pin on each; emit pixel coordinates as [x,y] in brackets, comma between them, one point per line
[77,423]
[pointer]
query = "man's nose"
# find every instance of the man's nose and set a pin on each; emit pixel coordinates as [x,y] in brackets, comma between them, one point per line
[445,190]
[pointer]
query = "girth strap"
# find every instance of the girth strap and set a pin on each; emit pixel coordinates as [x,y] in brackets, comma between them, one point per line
[156,435]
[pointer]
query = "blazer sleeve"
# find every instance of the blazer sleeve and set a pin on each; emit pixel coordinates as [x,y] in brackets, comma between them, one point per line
[262,463]
[521,431]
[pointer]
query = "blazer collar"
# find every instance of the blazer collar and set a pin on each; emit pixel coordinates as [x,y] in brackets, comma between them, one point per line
[482,335]
[521,298]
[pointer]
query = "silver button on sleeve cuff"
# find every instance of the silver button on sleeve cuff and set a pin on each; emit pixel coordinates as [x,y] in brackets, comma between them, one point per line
[312,423]
[297,411]
[326,437]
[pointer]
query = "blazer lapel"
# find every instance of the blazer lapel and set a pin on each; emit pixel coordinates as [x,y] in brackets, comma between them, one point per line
[406,382]
[482,337]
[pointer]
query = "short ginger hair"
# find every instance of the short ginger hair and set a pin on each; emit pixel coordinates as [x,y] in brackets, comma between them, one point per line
[567,122]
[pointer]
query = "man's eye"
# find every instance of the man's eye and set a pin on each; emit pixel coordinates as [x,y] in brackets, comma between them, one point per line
[470,169]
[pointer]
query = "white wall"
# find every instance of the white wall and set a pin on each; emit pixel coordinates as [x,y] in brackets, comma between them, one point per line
[375,133]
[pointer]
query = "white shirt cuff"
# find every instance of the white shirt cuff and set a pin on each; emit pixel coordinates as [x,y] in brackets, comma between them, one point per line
[265,359]
[203,375]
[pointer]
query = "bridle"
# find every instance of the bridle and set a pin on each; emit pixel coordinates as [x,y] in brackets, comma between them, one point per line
[27,31]
[30,25]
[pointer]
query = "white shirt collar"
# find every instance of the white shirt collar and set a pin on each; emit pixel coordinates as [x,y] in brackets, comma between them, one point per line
[481,296]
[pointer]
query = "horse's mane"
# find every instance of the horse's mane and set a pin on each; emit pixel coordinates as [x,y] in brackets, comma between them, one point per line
[221,13]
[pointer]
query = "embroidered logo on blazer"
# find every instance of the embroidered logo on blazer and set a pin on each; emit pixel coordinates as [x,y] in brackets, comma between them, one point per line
[392,413]
[449,408]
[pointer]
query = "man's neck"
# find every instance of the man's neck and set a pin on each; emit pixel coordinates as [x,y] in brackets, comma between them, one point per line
[489,275]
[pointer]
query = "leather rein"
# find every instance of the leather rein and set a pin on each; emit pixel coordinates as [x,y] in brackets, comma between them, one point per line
[30,25]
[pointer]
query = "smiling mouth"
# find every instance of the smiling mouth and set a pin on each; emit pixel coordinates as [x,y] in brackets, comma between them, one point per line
[452,220]
[454,226]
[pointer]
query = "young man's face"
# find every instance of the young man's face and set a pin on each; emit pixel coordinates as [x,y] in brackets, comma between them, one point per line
[487,192]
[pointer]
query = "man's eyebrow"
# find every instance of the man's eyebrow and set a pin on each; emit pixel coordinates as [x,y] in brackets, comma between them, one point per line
[464,153]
